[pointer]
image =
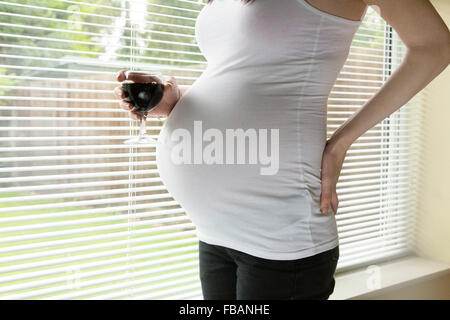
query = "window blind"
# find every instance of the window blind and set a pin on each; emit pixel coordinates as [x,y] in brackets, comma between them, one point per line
[83,216]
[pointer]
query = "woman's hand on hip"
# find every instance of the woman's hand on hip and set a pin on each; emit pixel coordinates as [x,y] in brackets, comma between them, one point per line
[172,93]
[332,161]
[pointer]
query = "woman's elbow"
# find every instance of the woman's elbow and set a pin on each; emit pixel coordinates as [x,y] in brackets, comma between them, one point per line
[447,49]
[443,47]
[435,52]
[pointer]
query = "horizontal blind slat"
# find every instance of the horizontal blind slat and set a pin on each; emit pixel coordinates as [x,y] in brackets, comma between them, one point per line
[162,251]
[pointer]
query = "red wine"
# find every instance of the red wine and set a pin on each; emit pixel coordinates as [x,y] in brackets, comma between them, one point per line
[143,96]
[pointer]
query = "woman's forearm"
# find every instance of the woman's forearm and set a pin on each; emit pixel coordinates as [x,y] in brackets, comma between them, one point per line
[418,68]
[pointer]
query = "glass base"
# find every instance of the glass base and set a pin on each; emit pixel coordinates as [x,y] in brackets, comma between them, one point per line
[142,139]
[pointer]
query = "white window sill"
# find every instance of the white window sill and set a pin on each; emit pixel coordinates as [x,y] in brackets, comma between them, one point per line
[384,277]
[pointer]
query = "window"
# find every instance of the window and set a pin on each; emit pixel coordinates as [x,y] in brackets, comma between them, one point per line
[83,216]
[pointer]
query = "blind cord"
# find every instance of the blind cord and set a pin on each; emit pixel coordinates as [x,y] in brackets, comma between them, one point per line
[131,175]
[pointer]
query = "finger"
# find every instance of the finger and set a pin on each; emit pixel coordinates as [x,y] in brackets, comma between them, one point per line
[137,113]
[137,76]
[325,197]
[121,75]
[125,105]
[118,92]
[170,80]
[168,87]
[334,201]
[135,116]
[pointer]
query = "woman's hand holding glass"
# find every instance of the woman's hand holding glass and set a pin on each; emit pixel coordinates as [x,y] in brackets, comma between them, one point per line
[172,93]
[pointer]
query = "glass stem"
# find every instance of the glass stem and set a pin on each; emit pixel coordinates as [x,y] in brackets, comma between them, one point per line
[143,128]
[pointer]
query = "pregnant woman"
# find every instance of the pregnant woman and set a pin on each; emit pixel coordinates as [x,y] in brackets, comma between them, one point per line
[271,66]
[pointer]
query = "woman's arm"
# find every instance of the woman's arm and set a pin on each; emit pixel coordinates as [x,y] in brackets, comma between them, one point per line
[427,39]
[172,93]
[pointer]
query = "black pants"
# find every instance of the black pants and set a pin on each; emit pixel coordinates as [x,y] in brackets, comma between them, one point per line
[230,274]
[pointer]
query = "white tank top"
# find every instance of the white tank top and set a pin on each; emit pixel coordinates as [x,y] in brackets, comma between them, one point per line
[270,65]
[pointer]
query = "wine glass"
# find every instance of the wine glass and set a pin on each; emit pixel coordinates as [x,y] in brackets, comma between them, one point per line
[144,96]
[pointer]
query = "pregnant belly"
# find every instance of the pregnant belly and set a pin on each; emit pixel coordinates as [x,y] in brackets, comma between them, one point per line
[225,188]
